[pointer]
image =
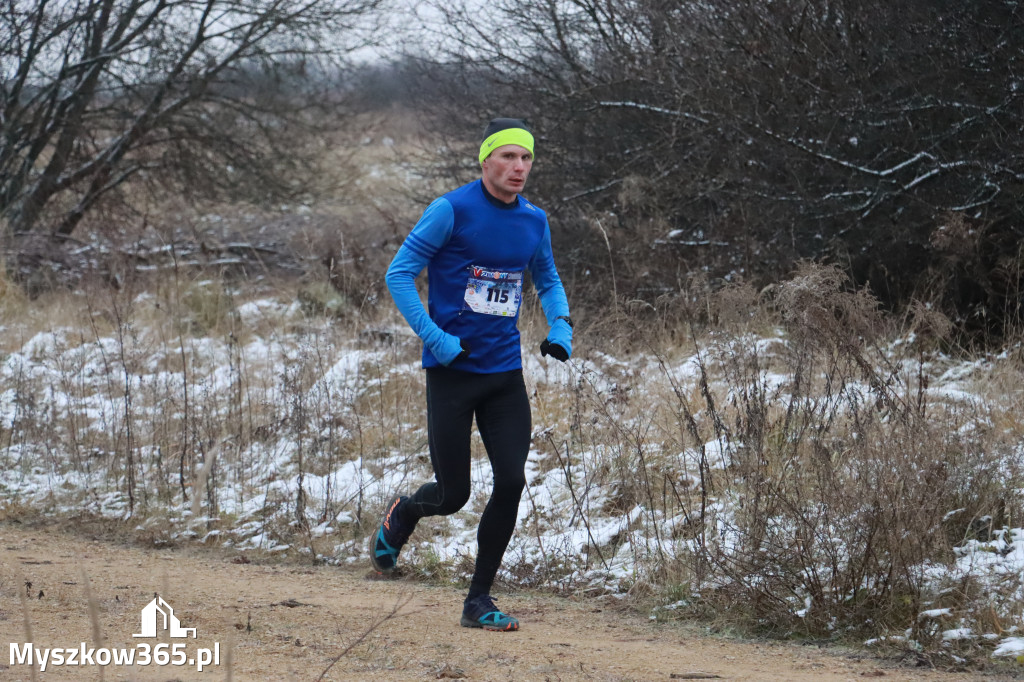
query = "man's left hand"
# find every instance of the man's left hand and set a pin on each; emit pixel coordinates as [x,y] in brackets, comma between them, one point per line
[558,344]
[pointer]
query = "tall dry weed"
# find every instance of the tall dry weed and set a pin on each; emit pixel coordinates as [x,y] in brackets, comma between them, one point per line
[841,475]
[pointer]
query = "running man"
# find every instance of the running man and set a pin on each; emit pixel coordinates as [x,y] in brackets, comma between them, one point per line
[477,242]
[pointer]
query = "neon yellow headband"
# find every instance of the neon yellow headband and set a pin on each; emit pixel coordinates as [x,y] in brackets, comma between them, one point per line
[518,136]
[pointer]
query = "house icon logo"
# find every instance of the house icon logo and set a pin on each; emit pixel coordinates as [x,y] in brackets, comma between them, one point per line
[158,615]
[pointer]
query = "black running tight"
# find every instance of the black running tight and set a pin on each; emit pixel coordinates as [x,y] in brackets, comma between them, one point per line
[502,412]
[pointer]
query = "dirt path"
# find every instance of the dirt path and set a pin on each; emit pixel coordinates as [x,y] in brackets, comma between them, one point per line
[289,622]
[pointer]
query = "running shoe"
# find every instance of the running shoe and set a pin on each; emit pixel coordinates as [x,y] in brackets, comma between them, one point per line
[481,612]
[387,542]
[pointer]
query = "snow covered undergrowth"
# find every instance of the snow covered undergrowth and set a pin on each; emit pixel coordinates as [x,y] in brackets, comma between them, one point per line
[716,475]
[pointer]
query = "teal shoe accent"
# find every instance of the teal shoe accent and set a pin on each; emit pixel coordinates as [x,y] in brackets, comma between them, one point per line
[481,612]
[389,539]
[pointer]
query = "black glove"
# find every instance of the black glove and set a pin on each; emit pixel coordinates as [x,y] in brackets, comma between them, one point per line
[464,354]
[554,350]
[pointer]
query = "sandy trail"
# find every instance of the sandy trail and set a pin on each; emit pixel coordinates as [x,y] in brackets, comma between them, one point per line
[278,622]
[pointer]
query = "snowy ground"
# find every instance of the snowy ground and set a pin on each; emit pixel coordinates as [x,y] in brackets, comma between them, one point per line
[289,437]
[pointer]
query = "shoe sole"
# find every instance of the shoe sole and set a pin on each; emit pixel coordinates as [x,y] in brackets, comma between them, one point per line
[467,623]
[373,539]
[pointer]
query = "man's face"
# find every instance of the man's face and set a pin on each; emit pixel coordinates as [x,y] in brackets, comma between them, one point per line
[505,171]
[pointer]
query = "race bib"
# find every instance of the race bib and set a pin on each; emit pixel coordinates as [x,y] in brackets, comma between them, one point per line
[494,292]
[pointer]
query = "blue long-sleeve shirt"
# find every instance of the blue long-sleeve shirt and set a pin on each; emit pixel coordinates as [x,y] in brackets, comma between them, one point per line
[476,251]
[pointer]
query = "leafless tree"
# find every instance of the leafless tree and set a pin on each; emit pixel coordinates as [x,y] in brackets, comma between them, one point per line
[737,137]
[195,95]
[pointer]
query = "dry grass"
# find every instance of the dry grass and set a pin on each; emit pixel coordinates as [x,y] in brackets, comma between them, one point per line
[777,459]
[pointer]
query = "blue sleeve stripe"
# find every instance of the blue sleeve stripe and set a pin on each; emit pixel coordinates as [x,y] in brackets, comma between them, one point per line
[420,247]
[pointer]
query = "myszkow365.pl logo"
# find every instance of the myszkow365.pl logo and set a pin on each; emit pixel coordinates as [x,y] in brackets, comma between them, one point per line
[157,616]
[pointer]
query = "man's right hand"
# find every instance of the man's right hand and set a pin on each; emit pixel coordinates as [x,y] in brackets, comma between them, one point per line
[450,349]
